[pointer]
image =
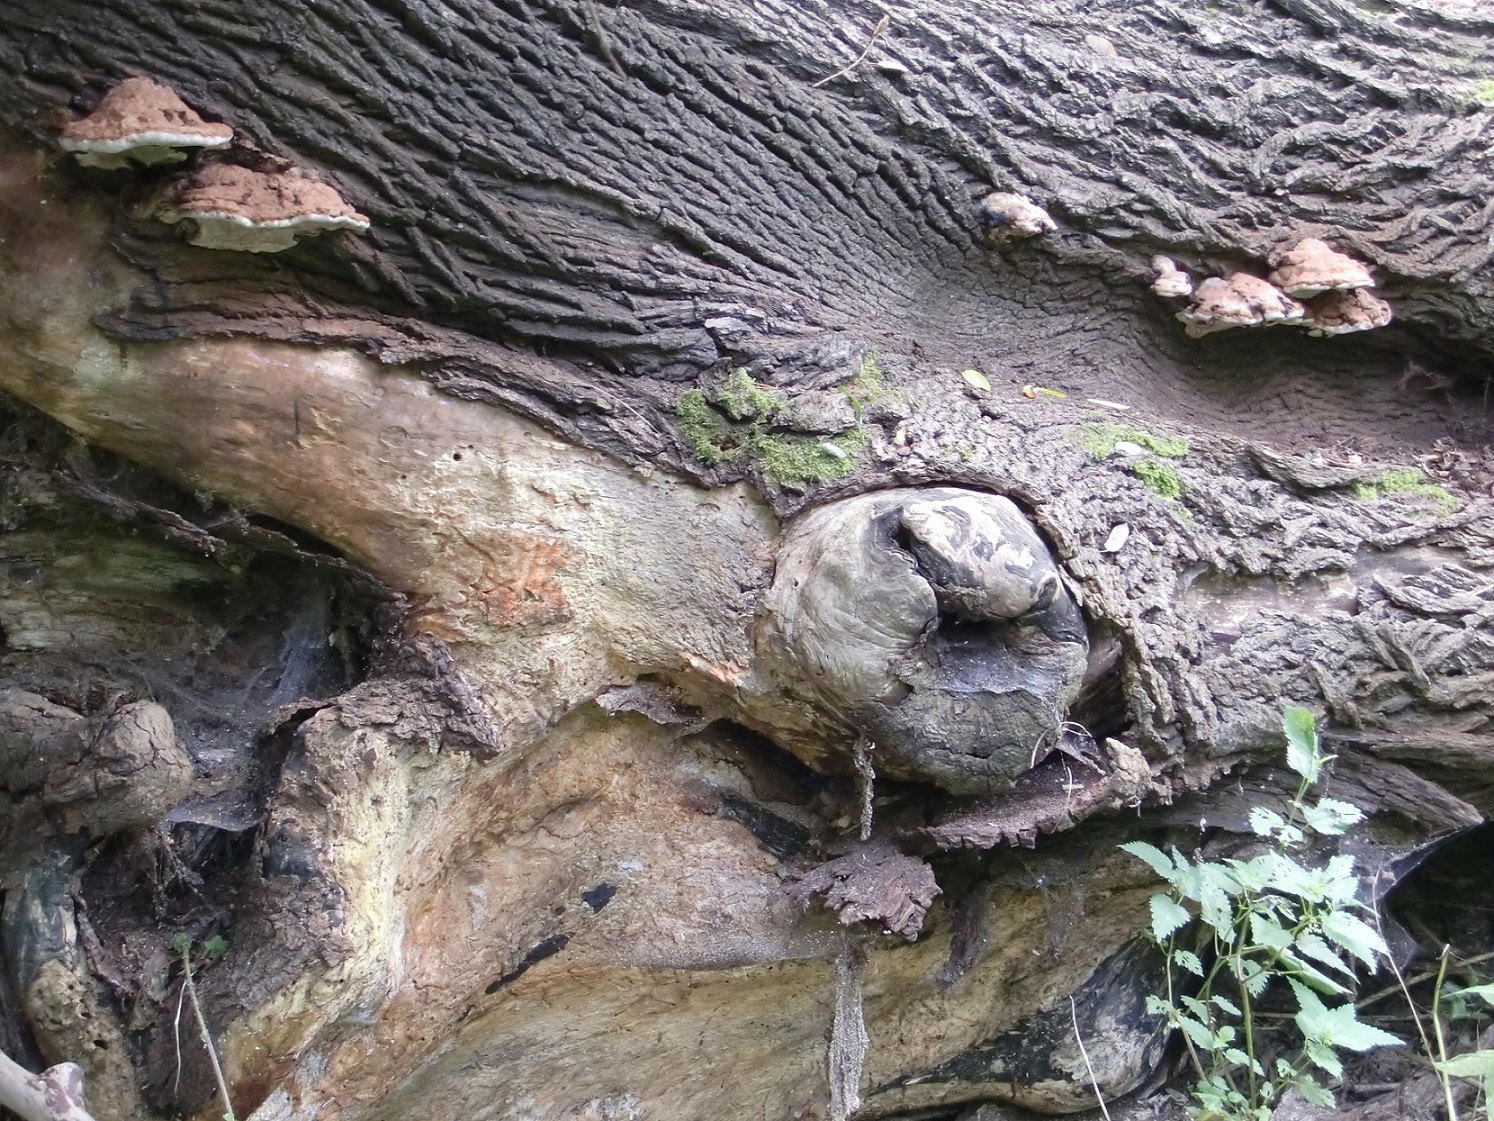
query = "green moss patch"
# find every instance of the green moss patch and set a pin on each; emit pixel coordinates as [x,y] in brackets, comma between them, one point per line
[1100,440]
[736,430]
[741,398]
[1160,478]
[1404,481]
[1483,91]
[868,386]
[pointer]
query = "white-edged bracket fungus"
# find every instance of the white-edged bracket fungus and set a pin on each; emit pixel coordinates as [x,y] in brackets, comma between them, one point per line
[1311,268]
[1172,282]
[1344,312]
[143,122]
[1007,217]
[226,206]
[1241,300]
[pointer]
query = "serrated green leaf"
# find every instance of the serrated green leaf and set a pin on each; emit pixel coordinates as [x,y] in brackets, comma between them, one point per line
[1475,1064]
[1200,1036]
[1335,1027]
[1188,960]
[1310,945]
[1324,1057]
[1354,935]
[1214,906]
[1265,822]
[1156,1006]
[1196,1006]
[180,943]
[1302,742]
[1167,916]
[1331,817]
[1154,857]
[1236,1056]
[1253,977]
[1226,1005]
[215,947]
[976,380]
[1312,1093]
[1309,974]
[1266,932]
[1484,991]
[1359,1036]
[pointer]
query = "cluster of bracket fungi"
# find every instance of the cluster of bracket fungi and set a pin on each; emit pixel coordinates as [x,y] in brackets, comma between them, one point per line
[218,203]
[1311,285]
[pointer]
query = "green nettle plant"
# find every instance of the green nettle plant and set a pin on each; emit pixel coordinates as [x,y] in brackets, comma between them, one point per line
[1263,920]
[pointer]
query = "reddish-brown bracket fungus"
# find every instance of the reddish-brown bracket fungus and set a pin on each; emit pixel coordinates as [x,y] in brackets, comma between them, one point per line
[1008,218]
[1343,313]
[1172,282]
[143,122]
[231,207]
[1310,267]
[1241,300]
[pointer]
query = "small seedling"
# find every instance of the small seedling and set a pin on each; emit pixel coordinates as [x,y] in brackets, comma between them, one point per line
[1269,919]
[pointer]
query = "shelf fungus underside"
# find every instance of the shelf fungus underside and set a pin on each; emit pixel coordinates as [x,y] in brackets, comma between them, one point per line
[932,621]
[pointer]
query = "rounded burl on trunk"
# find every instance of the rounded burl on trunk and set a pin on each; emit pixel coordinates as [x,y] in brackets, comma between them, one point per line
[933,621]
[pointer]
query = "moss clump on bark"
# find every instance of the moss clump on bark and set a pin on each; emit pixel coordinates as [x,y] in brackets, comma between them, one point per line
[1159,477]
[741,398]
[1101,439]
[789,459]
[736,428]
[1403,481]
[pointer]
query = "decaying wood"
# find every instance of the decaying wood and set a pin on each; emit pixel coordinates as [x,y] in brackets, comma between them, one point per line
[447,617]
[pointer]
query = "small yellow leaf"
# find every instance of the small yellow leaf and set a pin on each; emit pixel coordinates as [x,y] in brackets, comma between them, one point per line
[976,380]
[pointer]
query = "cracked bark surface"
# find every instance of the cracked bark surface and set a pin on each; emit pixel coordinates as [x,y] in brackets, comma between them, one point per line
[499,768]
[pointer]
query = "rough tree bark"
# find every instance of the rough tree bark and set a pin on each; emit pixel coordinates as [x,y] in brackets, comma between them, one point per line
[555,639]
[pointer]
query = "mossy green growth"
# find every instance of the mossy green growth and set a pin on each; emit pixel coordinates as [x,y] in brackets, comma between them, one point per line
[1483,91]
[741,398]
[1160,478]
[787,458]
[1407,481]
[868,385]
[1100,440]
[713,438]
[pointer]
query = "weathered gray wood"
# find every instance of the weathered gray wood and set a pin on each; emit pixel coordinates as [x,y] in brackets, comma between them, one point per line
[454,885]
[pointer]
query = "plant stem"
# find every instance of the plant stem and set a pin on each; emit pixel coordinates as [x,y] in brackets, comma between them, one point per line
[207,1039]
[1447,1096]
[1172,1003]
[1249,1026]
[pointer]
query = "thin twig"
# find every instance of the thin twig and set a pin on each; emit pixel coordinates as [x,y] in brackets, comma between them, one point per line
[877,32]
[176,1031]
[207,1039]
[1079,1039]
[1429,975]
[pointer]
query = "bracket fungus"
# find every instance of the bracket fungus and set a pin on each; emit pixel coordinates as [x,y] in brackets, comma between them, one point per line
[140,121]
[1344,312]
[1310,268]
[1241,300]
[1172,282]
[933,621]
[1007,218]
[225,206]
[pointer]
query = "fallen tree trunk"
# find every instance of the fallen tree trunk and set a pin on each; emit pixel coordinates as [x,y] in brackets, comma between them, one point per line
[675,618]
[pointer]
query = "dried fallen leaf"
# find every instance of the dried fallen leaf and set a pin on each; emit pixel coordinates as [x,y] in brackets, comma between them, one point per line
[976,380]
[1117,539]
